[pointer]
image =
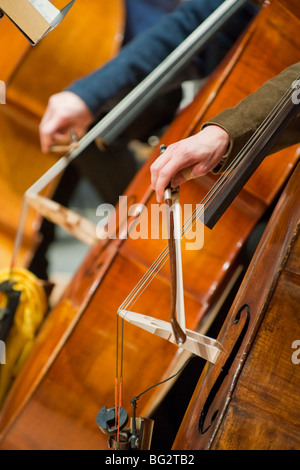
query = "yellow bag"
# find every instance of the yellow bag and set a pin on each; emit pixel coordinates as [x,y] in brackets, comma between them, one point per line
[27,320]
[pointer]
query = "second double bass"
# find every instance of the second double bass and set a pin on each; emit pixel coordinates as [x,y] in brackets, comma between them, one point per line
[70,373]
[63,54]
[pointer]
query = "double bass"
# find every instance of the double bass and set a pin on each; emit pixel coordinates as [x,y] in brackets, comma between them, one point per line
[70,372]
[63,54]
[250,398]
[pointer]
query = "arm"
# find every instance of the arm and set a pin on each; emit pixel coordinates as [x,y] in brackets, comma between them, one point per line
[221,138]
[142,55]
[85,97]
[243,120]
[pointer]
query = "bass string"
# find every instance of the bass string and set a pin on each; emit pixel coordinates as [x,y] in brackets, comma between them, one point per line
[119,374]
[189,224]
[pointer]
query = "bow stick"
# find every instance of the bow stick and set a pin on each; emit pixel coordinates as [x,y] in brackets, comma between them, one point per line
[173,212]
[177,321]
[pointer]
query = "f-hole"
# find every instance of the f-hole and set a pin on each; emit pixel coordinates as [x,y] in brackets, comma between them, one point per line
[224,371]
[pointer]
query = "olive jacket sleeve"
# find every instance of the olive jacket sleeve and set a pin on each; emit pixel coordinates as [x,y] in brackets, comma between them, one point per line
[243,120]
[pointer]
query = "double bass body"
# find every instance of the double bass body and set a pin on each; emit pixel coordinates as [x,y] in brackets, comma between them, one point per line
[70,373]
[31,76]
[249,399]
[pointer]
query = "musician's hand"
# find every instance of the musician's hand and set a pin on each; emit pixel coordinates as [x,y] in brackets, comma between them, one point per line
[66,111]
[189,158]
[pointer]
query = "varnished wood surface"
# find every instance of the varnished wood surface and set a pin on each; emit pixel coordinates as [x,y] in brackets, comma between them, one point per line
[32,75]
[69,375]
[256,406]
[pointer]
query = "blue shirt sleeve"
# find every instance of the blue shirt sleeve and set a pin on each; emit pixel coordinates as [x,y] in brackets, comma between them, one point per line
[144,53]
[142,14]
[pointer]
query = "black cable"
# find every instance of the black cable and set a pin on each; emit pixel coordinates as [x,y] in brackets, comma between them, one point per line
[135,399]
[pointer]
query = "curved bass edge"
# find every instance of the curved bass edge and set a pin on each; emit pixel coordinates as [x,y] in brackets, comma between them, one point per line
[209,408]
